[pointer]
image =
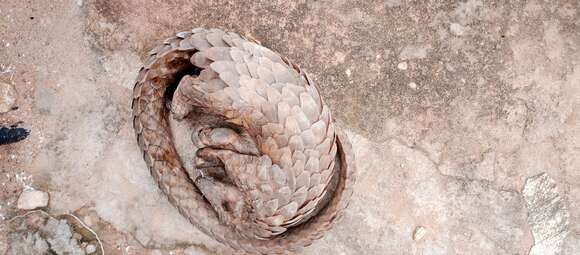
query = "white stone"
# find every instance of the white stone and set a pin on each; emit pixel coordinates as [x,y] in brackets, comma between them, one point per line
[419,233]
[32,199]
[412,85]
[414,52]
[7,97]
[348,72]
[457,29]
[403,66]
[193,250]
[91,248]
[339,57]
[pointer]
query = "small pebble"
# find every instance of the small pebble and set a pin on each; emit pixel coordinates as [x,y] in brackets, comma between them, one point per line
[7,97]
[339,57]
[419,233]
[457,29]
[194,250]
[32,199]
[414,52]
[412,85]
[403,66]
[91,248]
[348,72]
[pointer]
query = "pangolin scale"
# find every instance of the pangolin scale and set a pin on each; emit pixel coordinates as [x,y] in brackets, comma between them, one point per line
[274,173]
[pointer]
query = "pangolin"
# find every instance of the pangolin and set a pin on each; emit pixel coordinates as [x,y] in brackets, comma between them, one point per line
[273,172]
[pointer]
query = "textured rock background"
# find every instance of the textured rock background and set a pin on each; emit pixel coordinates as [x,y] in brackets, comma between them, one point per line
[451,105]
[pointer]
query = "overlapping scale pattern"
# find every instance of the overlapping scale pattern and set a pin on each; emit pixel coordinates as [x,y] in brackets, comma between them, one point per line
[279,106]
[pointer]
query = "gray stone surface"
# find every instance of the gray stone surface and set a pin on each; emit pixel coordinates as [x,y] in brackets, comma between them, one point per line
[37,233]
[548,215]
[491,106]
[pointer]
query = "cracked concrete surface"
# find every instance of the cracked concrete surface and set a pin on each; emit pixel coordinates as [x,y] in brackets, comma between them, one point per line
[487,97]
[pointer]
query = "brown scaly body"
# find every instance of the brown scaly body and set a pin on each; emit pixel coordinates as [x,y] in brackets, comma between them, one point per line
[275,172]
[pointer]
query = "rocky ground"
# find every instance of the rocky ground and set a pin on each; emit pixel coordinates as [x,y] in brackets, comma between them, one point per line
[463,115]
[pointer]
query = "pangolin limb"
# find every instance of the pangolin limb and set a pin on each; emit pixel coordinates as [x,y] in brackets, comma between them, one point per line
[276,175]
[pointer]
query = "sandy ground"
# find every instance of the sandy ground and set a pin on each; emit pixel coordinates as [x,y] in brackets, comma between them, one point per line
[451,106]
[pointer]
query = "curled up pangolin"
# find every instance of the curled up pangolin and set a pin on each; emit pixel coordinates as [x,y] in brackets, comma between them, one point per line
[273,172]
